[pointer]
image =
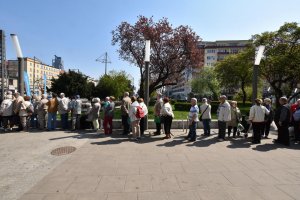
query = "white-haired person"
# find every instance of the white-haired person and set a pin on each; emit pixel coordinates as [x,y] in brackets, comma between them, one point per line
[6,111]
[95,113]
[235,119]
[42,110]
[193,120]
[205,110]
[268,118]
[63,110]
[224,116]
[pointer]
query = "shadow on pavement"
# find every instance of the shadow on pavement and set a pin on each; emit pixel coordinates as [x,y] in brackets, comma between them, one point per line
[204,141]
[240,143]
[269,147]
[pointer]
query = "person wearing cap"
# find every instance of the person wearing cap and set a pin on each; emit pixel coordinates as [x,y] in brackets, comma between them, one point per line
[52,112]
[6,111]
[157,111]
[205,110]
[257,118]
[63,110]
[282,121]
[224,116]
[42,110]
[268,118]
[193,120]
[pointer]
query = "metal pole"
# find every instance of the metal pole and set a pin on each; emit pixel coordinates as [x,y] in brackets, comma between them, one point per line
[105,62]
[33,74]
[21,76]
[254,83]
[146,91]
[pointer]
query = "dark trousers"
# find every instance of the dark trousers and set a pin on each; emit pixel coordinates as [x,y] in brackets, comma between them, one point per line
[167,124]
[158,127]
[234,130]
[192,131]
[107,121]
[33,121]
[222,129]
[297,130]
[125,123]
[258,130]
[142,125]
[206,126]
[267,128]
[64,120]
[283,135]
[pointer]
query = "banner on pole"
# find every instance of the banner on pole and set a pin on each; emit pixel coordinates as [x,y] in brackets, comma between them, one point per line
[27,84]
[45,84]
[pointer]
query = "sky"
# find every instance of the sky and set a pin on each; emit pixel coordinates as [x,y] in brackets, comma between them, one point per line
[79,31]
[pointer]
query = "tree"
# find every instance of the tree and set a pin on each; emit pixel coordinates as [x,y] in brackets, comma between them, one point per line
[172,49]
[235,71]
[281,64]
[206,84]
[114,84]
[73,83]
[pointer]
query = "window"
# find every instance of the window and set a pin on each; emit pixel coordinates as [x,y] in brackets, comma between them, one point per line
[10,82]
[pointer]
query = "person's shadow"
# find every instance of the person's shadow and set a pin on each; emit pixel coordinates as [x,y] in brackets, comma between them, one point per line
[240,143]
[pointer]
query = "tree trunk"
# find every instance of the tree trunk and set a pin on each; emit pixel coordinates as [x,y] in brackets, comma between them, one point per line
[244,92]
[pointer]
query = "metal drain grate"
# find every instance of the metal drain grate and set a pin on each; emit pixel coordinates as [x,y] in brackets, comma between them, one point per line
[63,151]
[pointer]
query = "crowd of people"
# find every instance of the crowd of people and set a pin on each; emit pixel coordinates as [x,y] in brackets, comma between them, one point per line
[20,113]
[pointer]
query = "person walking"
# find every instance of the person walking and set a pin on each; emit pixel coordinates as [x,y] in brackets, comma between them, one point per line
[142,121]
[282,120]
[235,119]
[42,109]
[257,118]
[224,116]
[6,111]
[167,115]
[135,121]
[268,118]
[193,119]
[157,113]
[63,110]
[126,101]
[52,112]
[205,115]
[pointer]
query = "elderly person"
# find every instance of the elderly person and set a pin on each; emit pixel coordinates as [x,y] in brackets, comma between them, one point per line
[257,118]
[268,118]
[63,110]
[42,110]
[205,110]
[52,112]
[157,111]
[75,107]
[109,107]
[235,118]
[26,110]
[17,100]
[193,119]
[6,111]
[282,120]
[135,121]
[224,116]
[142,121]
[167,115]
[126,101]
[95,113]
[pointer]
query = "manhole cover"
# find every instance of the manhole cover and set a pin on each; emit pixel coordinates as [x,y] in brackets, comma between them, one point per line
[63,151]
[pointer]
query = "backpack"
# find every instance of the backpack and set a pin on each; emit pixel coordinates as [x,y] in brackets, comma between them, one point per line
[139,112]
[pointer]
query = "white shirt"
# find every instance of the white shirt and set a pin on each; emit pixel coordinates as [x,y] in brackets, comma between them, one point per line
[207,113]
[257,113]
[224,112]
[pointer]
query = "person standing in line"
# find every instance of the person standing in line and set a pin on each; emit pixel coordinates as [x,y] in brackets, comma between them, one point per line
[111,113]
[34,121]
[52,112]
[18,99]
[205,109]
[193,119]
[6,111]
[167,115]
[142,121]
[157,113]
[282,120]
[135,122]
[257,118]
[235,118]
[126,101]
[63,110]
[42,109]
[76,112]
[95,113]
[26,110]
[296,121]
[269,118]
[106,107]
[224,116]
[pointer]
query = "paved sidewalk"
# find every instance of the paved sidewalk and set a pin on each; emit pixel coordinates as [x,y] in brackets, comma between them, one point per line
[115,167]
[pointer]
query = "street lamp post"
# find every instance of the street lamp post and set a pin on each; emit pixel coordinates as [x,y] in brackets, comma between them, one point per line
[258,57]
[147,62]
[21,67]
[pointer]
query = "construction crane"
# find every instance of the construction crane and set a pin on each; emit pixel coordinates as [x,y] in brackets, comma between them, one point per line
[104,59]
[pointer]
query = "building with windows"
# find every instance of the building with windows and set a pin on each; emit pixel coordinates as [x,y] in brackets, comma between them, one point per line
[218,50]
[58,63]
[35,70]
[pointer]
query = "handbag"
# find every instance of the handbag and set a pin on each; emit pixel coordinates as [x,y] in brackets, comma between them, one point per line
[200,118]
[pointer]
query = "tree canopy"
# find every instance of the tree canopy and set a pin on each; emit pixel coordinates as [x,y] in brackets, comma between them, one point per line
[281,64]
[172,49]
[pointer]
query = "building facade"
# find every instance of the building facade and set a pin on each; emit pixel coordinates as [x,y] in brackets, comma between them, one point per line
[58,63]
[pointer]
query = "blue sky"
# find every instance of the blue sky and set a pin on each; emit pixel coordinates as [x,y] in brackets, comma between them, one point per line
[80,30]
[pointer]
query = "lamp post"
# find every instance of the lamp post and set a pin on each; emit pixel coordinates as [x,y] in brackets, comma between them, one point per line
[147,62]
[21,67]
[258,57]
